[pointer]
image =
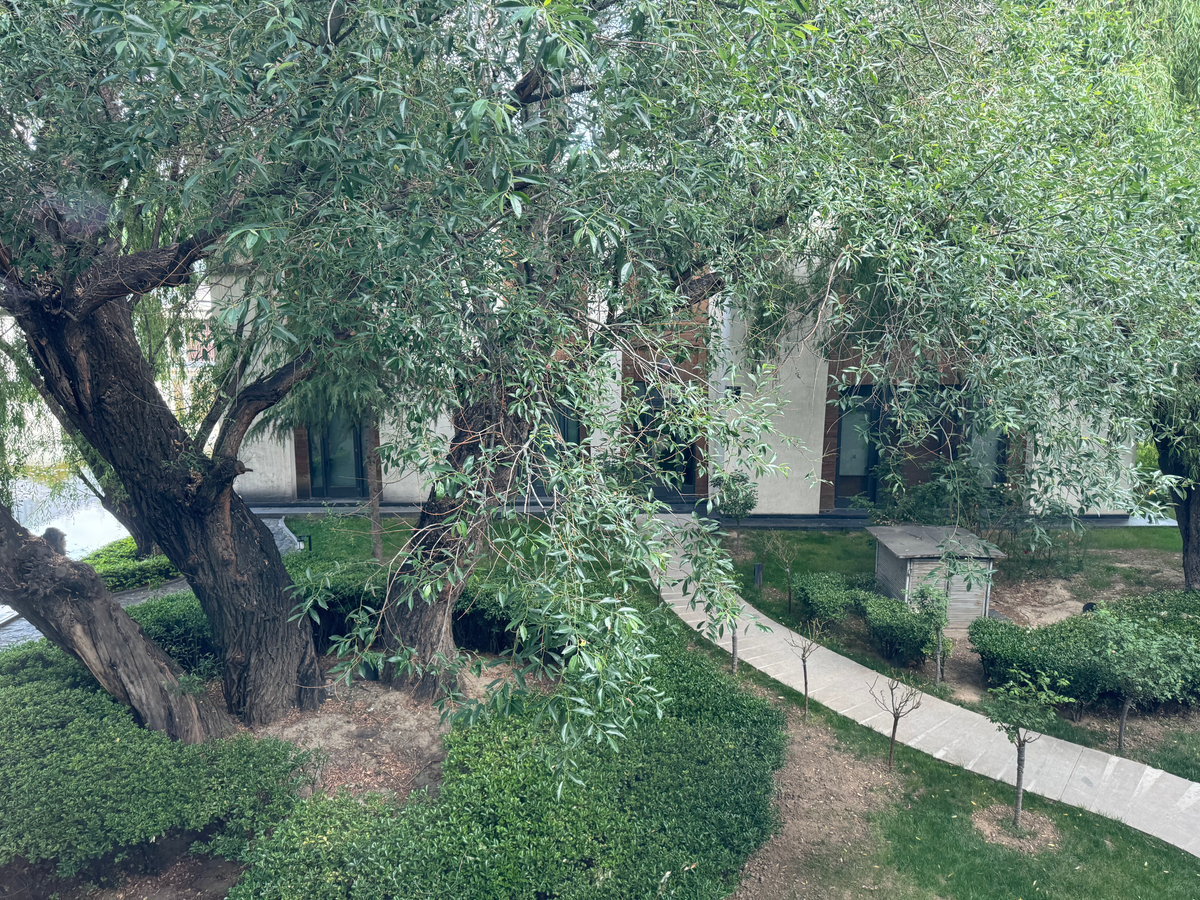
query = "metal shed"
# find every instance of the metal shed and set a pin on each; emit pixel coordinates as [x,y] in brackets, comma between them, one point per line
[908,556]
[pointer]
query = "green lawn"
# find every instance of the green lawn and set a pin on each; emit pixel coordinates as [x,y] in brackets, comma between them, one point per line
[1149,537]
[348,537]
[924,846]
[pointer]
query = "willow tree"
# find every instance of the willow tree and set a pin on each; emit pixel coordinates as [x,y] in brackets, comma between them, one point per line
[484,202]
[1002,203]
[1177,427]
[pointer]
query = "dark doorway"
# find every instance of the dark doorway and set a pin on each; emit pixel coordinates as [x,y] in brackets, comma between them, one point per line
[337,463]
[857,451]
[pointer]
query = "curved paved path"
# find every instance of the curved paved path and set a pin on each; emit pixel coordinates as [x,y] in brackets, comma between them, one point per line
[1142,797]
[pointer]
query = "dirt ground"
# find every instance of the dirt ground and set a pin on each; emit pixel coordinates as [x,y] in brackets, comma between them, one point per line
[373,738]
[1045,600]
[824,796]
[1038,831]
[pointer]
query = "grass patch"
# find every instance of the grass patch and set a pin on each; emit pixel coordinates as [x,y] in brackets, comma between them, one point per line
[1145,537]
[346,538]
[1179,754]
[120,569]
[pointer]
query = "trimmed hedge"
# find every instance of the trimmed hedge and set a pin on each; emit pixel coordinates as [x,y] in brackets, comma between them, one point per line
[117,564]
[1072,647]
[824,596]
[689,795]
[906,636]
[343,588]
[81,781]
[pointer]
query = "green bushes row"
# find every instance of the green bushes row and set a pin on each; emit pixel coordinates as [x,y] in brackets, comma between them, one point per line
[1095,652]
[674,813]
[81,781]
[117,564]
[904,633]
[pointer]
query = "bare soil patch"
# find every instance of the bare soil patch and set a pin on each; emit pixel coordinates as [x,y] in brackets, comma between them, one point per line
[1129,572]
[1038,832]
[825,795]
[193,877]
[374,739]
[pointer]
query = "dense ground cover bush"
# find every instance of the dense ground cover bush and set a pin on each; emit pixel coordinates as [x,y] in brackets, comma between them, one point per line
[904,635]
[80,780]
[178,625]
[1079,648]
[118,565]
[688,795]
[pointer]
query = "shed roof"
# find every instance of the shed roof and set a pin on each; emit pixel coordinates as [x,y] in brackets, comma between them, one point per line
[923,541]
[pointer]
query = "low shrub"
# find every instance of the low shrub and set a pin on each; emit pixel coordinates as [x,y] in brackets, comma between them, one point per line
[117,564]
[80,780]
[481,621]
[675,811]
[178,625]
[1075,647]
[335,590]
[823,595]
[905,635]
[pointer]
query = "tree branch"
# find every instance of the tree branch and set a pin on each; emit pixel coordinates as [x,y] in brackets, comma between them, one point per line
[256,398]
[137,273]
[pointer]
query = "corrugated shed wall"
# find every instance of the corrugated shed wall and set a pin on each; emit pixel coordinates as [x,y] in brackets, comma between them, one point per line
[890,571]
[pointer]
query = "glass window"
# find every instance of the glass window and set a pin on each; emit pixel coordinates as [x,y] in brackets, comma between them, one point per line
[336,464]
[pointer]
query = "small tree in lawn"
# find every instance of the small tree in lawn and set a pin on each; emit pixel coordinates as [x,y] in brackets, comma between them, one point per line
[898,699]
[805,644]
[934,604]
[1023,708]
[1146,666]
[786,553]
[736,497]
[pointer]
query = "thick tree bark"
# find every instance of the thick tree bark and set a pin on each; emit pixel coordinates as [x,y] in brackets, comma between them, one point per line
[68,603]
[423,628]
[105,388]
[1187,514]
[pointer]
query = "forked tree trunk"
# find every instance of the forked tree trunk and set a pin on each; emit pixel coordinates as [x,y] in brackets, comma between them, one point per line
[68,603]
[423,628]
[105,388]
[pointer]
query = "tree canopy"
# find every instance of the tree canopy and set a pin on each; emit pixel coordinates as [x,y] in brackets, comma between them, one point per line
[459,214]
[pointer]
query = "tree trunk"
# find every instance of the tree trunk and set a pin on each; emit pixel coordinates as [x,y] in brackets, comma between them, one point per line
[892,745]
[1121,728]
[68,603]
[131,522]
[937,678]
[375,489]
[418,631]
[1187,514]
[1020,783]
[733,634]
[105,388]
[804,665]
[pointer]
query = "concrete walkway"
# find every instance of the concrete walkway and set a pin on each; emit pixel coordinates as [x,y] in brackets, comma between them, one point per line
[1142,797]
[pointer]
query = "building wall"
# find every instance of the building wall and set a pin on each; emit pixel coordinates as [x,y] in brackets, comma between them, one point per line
[271,465]
[801,381]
